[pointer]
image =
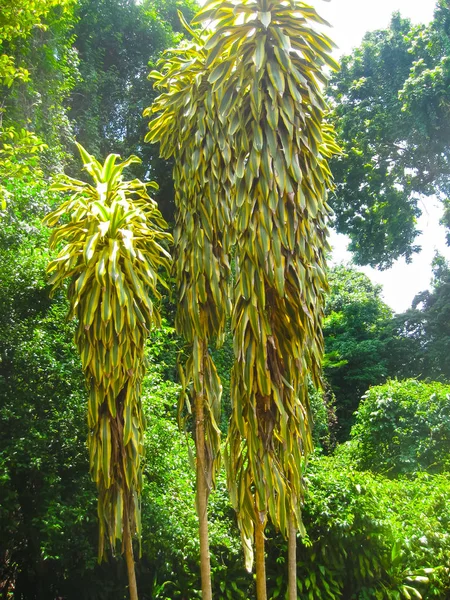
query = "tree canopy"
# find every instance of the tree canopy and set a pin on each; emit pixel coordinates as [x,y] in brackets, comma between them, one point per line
[391,110]
[37,71]
[355,340]
[419,338]
[117,43]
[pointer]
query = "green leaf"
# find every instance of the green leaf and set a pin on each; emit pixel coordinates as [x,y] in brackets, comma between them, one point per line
[260,52]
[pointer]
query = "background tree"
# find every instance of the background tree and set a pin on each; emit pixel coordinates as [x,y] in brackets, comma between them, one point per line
[19,19]
[419,339]
[116,41]
[391,102]
[37,71]
[356,341]
[111,254]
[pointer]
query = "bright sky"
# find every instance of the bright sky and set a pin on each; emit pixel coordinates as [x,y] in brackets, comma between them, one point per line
[350,19]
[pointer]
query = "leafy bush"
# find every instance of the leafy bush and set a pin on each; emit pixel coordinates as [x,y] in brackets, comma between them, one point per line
[403,427]
[368,537]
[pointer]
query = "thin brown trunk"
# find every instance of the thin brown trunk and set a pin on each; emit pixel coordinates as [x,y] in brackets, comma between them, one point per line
[292,559]
[202,485]
[129,558]
[261,588]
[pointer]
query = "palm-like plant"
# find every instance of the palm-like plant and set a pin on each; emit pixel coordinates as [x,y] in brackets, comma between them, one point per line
[186,125]
[112,251]
[266,65]
[242,113]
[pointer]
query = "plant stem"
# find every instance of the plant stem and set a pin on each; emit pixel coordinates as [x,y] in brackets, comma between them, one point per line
[261,588]
[130,559]
[202,485]
[292,559]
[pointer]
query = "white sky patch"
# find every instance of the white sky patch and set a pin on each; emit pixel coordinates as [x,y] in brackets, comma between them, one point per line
[351,19]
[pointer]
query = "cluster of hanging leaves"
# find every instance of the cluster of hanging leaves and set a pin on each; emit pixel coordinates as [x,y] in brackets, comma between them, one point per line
[185,122]
[242,107]
[112,249]
[265,64]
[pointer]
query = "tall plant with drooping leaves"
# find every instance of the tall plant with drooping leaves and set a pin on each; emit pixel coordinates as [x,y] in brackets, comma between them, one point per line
[112,249]
[266,62]
[185,122]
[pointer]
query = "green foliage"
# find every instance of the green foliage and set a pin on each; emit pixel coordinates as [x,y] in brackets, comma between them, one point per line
[324,421]
[403,427]
[19,150]
[44,486]
[419,339]
[116,42]
[425,99]
[356,343]
[37,37]
[19,18]
[48,519]
[391,111]
[37,71]
[223,359]
[368,537]
[49,528]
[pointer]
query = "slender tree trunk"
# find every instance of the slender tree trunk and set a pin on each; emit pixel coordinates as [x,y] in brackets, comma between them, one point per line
[202,484]
[261,588]
[130,558]
[292,559]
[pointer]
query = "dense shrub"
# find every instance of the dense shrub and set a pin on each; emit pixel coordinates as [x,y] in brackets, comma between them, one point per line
[368,537]
[403,427]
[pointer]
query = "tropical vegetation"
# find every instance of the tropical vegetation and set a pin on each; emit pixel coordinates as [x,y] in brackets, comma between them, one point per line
[373,497]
